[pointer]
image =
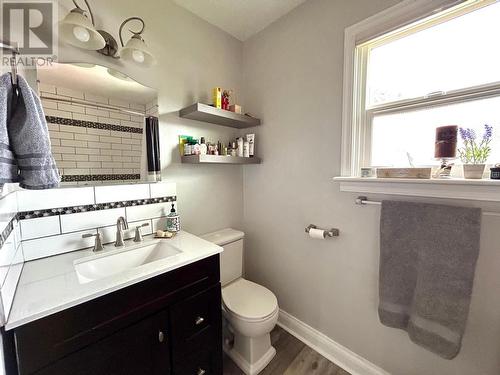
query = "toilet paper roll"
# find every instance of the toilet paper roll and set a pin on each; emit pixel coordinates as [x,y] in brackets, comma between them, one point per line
[318,234]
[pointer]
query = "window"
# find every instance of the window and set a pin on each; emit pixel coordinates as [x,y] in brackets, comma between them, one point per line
[442,69]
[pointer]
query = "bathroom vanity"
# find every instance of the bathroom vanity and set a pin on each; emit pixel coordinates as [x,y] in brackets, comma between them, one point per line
[163,317]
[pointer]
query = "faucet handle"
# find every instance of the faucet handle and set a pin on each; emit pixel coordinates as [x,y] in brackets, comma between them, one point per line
[138,234]
[98,240]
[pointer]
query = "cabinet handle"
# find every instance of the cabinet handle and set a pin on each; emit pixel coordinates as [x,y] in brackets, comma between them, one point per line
[161,336]
[200,371]
[199,320]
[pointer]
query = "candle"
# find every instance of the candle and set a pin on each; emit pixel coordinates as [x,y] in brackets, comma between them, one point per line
[446,142]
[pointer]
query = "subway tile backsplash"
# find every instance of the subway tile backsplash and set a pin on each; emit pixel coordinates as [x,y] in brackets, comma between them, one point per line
[40,227]
[52,221]
[109,233]
[31,200]
[163,190]
[89,220]
[11,264]
[105,194]
[53,245]
[135,213]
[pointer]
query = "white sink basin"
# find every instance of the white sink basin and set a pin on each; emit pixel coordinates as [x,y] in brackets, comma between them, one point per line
[116,261]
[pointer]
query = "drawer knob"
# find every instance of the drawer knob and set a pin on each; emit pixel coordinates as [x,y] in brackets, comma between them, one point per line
[199,320]
[161,336]
[200,371]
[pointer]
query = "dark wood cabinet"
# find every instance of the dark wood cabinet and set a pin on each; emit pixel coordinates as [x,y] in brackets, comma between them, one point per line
[133,350]
[170,324]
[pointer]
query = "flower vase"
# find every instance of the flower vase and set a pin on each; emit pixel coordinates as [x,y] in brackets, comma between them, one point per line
[474,171]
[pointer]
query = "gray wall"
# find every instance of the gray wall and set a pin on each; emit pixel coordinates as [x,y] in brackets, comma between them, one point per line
[293,81]
[193,57]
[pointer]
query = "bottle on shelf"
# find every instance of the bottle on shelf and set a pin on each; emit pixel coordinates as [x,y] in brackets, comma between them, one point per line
[203,146]
[240,147]
[246,149]
[196,148]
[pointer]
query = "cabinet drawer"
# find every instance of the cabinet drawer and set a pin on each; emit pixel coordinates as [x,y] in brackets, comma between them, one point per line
[194,314]
[197,363]
[200,356]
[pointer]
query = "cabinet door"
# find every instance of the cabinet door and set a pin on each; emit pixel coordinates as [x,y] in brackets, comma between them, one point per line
[142,348]
[196,334]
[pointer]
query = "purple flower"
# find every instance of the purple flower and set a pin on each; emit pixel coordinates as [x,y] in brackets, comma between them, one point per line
[488,132]
[463,134]
[468,135]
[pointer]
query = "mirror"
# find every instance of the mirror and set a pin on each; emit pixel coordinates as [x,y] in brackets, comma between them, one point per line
[99,122]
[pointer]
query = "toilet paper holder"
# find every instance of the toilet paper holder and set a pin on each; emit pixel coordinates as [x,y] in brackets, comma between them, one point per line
[334,232]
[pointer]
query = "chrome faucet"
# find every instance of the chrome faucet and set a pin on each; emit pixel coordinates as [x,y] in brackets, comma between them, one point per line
[121,224]
[98,241]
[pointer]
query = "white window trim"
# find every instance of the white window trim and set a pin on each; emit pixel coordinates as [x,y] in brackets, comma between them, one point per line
[355,137]
[473,190]
[354,131]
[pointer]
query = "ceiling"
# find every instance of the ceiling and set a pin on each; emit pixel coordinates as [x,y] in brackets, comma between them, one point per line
[95,80]
[240,18]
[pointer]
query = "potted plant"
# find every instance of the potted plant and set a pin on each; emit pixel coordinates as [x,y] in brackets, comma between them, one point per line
[474,153]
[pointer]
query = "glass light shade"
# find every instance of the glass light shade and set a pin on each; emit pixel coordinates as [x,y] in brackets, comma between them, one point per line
[119,75]
[137,52]
[81,33]
[77,30]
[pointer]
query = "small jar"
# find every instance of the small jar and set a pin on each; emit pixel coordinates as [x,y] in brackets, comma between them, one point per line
[495,172]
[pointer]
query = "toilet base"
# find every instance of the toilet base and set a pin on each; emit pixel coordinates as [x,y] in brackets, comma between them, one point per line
[251,368]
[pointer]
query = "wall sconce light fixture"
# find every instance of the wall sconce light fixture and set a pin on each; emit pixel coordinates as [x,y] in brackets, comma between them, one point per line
[78,30]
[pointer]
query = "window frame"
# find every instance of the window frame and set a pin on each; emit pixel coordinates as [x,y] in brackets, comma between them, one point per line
[356,118]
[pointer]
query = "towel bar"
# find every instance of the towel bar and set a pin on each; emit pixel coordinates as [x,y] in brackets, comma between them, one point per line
[363,201]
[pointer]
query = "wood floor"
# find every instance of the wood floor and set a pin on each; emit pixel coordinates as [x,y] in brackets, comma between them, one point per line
[293,357]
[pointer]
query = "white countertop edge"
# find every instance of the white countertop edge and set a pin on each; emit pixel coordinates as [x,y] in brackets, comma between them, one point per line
[13,322]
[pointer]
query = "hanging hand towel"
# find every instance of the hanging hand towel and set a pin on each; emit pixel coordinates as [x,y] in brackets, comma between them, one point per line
[8,165]
[428,256]
[29,139]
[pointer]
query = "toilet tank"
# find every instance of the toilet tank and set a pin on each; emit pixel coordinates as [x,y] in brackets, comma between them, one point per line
[231,259]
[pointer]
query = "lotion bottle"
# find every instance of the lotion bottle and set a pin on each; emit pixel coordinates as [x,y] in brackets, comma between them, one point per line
[203,146]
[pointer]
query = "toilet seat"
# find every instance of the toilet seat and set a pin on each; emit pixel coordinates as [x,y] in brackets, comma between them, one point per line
[249,301]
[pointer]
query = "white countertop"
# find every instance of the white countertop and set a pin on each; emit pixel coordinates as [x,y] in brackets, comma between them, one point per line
[51,284]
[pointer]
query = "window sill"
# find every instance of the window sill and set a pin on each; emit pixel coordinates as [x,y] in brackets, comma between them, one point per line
[478,190]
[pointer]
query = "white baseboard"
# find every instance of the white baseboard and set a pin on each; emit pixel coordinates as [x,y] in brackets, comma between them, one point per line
[333,351]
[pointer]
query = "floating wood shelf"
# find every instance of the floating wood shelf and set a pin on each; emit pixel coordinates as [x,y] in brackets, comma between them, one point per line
[219,159]
[206,113]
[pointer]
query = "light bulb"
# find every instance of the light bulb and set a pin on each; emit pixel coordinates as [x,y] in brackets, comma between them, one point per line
[138,56]
[81,33]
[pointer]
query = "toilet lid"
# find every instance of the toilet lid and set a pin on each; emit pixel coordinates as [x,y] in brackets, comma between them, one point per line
[249,300]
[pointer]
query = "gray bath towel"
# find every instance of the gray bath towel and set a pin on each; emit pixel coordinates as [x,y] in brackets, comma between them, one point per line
[8,165]
[29,140]
[428,256]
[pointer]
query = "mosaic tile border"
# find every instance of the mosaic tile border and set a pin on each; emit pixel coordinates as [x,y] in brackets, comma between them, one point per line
[99,177]
[92,124]
[7,231]
[92,207]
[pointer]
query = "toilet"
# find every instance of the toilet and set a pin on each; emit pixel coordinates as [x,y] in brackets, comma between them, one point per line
[250,311]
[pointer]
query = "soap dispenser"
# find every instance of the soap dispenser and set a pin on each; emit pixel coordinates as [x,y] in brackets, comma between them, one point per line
[173,221]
